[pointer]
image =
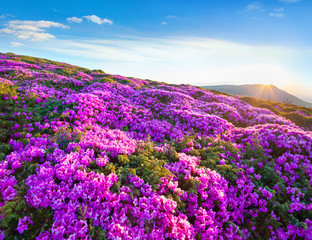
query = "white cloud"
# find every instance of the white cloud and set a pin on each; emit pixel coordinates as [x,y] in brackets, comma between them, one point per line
[7,30]
[105,20]
[39,24]
[253,6]
[16,44]
[26,27]
[163,23]
[278,13]
[289,1]
[98,20]
[35,36]
[74,19]
[32,30]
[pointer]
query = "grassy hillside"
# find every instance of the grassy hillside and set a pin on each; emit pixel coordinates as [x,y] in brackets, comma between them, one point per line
[89,155]
[301,116]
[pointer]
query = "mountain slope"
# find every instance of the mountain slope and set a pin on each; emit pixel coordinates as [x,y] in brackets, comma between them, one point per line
[270,92]
[89,155]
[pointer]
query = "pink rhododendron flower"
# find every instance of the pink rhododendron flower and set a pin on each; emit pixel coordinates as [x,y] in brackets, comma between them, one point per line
[23,224]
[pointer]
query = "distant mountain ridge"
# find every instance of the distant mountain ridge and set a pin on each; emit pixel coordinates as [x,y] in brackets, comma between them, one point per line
[270,92]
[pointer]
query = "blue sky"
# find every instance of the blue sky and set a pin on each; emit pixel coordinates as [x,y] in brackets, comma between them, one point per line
[198,42]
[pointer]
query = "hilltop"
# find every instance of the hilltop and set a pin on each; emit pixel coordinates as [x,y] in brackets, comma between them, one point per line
[266,91]
[89,155]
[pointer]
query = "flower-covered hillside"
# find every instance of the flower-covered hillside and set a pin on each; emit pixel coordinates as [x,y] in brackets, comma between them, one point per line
[88,155]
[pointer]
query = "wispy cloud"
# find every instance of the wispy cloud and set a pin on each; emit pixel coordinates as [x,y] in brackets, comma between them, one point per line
[167,19]
[98,20]
[6,15]
[289,1]
[16,44]
[74,19]
[253,6]
[171,16]
[278,13]
[201,59]
[32,30]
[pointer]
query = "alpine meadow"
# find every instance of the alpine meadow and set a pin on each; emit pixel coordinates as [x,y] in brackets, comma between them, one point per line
[89,155]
